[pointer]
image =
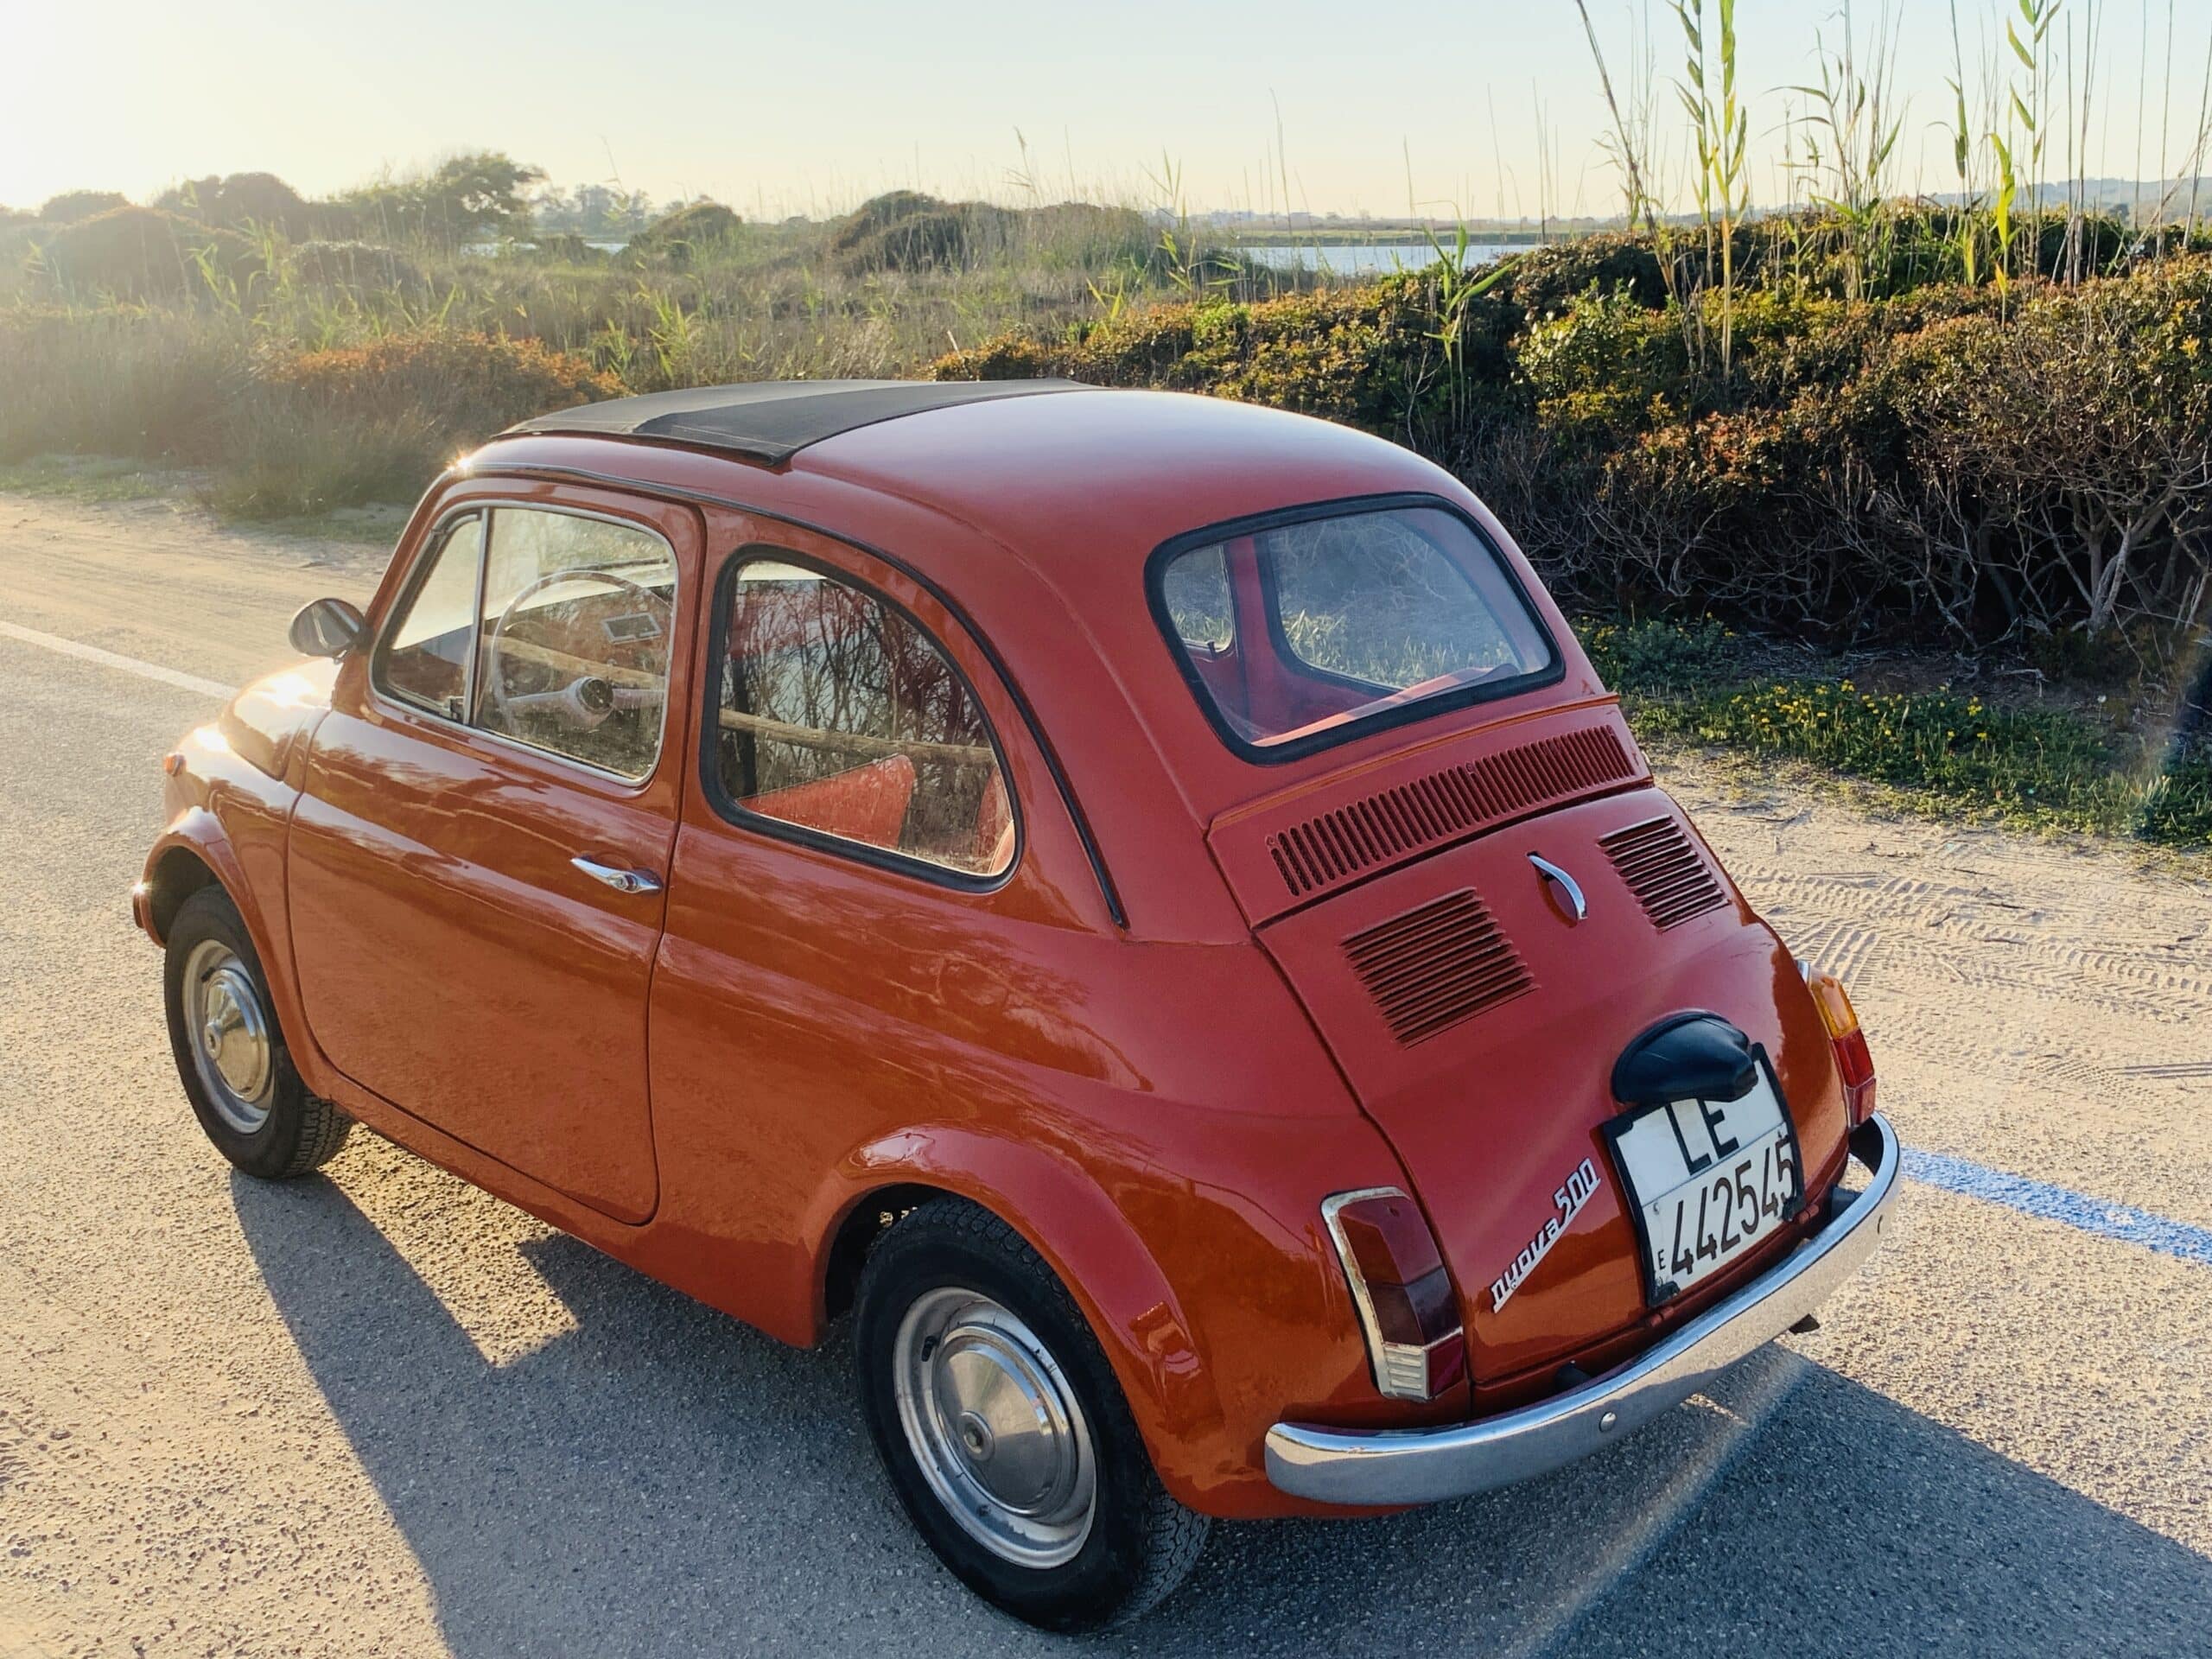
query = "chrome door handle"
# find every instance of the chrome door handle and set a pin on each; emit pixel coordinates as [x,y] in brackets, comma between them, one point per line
[621,879]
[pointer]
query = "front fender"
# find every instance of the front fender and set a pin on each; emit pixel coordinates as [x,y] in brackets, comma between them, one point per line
[231,818]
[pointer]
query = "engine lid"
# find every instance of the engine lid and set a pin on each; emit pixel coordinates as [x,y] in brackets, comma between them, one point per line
[1477,1000]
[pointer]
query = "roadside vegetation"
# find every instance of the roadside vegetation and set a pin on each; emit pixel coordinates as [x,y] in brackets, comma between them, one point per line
[315,355]
[1977,429]
[1957,735]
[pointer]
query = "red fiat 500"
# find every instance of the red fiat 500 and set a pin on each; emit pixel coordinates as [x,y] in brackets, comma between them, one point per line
[1139,899]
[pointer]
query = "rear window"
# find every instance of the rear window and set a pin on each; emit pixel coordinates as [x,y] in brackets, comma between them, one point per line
[1303,633]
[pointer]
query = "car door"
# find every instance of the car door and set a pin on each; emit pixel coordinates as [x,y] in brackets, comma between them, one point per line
[476,867]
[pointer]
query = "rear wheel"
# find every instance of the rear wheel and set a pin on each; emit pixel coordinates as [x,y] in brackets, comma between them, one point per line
[231,1053]
[1003,1429]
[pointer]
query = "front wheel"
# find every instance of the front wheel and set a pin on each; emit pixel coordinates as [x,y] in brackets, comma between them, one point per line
[231,1053]
[1004,1431]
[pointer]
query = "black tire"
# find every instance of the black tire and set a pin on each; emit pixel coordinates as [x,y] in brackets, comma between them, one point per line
[1140,1542]
[296,1133]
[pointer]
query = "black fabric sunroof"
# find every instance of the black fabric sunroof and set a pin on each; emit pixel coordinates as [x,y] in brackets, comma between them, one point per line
[773,420]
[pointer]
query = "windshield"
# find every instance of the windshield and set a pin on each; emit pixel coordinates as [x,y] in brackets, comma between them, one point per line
[1304,633]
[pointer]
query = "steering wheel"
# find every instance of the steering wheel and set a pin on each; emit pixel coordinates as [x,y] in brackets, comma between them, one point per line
[587,699]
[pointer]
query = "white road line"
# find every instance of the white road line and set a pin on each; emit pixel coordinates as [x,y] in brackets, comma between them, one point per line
[54,642]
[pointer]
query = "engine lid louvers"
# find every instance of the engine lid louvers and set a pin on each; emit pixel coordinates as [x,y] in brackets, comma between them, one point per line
[1335,845]
[1372,830]
[1438,965]
[1281,854]
[1664,870]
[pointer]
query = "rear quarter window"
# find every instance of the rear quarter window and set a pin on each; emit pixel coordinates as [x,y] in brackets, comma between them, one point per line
[838,716]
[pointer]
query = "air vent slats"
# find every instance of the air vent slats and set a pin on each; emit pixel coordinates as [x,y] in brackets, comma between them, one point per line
[1665,871]
[1434,967]
[1346,842]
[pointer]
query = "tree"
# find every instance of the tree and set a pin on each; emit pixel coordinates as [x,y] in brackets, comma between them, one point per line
[473,197]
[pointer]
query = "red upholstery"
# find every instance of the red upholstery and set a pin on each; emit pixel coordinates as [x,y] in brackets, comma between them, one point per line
[867,803]
[993,825]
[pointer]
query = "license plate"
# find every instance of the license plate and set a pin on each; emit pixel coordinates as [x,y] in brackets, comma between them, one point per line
[1707,1180]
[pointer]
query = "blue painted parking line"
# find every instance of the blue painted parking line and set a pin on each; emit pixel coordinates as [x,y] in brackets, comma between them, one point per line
[2077,1210]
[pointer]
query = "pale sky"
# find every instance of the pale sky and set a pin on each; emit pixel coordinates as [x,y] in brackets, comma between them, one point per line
[809,107]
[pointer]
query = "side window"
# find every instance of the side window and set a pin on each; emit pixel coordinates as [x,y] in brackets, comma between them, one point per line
[424,656]
[1197,591]
[568,650]
[577,617]
[837,714]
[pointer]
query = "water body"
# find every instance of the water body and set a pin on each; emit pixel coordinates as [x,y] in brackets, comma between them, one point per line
[493,250]
[1367,258]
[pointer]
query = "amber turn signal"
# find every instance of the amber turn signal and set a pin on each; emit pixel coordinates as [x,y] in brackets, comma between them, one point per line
[1852,1059]
[1408,1310]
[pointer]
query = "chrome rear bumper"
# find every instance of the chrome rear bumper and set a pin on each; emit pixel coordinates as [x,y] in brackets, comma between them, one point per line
[1398,1466]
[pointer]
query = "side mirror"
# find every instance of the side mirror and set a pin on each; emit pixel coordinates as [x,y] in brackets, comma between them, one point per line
[327,627]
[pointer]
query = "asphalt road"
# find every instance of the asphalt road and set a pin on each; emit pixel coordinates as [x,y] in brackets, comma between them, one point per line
[382,1412]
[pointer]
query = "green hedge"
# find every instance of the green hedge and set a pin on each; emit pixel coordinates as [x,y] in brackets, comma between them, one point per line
[1950,463]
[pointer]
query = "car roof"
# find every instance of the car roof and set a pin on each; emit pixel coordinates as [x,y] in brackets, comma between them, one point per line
[1077,487]
[772,421]
[1084,487]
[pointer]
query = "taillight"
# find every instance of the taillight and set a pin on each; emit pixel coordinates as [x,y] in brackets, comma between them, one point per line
[1407,1306]
[1852,1058]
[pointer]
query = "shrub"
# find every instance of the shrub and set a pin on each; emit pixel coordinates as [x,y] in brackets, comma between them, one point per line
[922,243]
[679,238]
[1371,357]
[1603,367]
[2077,438]
[1544,281]
[1947,462]
[361,267]
[115,383]
[1078,235]
[1932,464]
[877,215]
[460,387]
[1653,655]
[376,423]
[18,238]
[240,201]
[285,459]
[906,231]
[145,254]
[2177,808]
[563,248]
[71,205]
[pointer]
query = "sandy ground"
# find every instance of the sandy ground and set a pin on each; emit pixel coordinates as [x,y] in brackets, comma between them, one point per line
[381,1413]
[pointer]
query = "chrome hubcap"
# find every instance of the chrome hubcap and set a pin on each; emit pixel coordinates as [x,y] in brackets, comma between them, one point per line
[995,1427]
[231,1043]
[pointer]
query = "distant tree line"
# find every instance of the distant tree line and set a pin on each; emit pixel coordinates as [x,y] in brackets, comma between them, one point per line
[486,196]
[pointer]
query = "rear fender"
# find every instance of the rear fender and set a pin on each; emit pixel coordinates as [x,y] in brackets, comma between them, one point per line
[1087,1242]
[1211,1290]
